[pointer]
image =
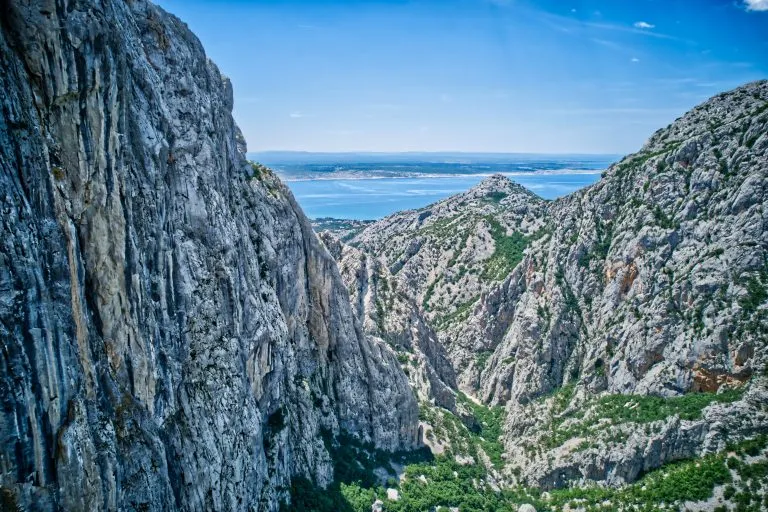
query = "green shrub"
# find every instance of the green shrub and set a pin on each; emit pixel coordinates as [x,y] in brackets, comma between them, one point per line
[756,293]
[507,253]
[482,358]
[495,197]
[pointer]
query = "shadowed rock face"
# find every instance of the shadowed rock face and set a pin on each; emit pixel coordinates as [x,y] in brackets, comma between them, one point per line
[173,334]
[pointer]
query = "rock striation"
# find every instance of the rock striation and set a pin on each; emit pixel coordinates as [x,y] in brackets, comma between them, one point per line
[390,315]
[174,336]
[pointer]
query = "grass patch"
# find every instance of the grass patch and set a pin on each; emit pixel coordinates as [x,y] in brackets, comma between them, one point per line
[508,252]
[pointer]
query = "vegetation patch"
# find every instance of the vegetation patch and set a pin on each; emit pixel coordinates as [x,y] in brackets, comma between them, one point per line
[692,480]
[482,358]
[495,197]
[259,171]
[614,410]
[429,483]
[355,485]
[429,292]
[457,315]
[599,250]
[508,252]
[756,293]
[486,429]
[480,430]
[441,228]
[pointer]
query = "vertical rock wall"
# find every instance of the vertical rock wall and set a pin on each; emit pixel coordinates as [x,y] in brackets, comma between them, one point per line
[173,334]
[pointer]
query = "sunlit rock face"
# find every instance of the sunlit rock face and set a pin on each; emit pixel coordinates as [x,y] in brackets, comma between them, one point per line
[173,333]
[650,282]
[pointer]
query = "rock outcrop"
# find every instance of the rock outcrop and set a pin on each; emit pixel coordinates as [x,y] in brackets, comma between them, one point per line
[174,336]
[390,315]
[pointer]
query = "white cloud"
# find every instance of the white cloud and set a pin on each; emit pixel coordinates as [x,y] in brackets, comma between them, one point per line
[756,5]
[644,24]
[635,59]
[295,115]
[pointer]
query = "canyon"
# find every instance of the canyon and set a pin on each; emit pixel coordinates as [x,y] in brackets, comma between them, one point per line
[175,336]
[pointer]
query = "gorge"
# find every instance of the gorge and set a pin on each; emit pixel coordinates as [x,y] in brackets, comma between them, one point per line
[175,336]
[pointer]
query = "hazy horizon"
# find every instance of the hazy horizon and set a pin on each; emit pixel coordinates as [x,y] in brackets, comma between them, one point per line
[277,155]
[364,186]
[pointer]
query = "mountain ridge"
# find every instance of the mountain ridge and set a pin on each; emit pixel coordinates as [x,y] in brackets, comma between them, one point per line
[643,284]
[175,335]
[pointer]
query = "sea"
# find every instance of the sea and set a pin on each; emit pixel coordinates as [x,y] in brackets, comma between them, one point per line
[372,186]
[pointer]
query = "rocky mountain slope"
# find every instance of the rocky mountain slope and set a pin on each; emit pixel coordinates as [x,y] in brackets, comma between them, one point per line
[629,325]
[173,334]
[447,254]
[657,271]
[651,282]
[389,315]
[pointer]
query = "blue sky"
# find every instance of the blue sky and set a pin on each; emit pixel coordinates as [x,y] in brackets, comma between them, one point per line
[474,75]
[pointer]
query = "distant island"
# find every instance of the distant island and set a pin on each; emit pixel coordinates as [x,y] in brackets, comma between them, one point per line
[365,186]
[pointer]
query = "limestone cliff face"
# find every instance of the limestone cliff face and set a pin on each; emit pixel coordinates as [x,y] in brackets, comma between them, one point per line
[390,315]
[173,333]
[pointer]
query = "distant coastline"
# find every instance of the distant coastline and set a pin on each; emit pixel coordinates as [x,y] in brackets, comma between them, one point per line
[355,186]
[295,167]
[372,175]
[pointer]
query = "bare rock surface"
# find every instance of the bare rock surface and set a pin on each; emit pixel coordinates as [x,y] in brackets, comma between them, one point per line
[390,315]
[174,336]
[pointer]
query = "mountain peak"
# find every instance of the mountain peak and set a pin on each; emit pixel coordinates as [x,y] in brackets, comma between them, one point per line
[497,187]
[739,105]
